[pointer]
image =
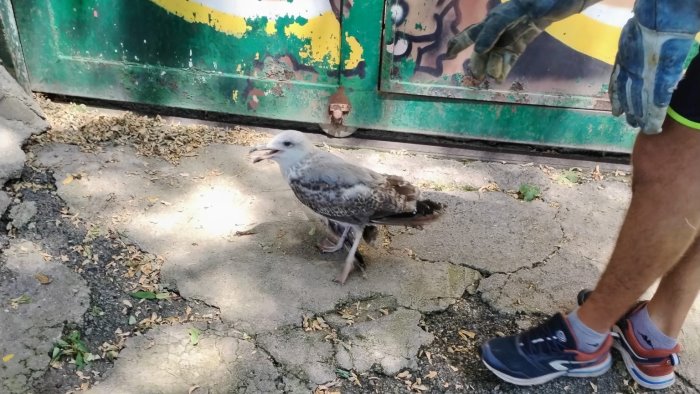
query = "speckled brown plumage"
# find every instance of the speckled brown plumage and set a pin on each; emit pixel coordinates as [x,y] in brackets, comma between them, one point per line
[351,197]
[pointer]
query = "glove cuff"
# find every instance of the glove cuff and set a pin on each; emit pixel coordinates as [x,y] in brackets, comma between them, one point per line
[669,16]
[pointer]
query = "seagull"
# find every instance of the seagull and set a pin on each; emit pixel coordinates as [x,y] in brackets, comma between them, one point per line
[352,198]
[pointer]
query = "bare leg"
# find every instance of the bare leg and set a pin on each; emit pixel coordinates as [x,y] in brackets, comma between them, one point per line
[660,226]
[327,245]
[676,293]
[350,260]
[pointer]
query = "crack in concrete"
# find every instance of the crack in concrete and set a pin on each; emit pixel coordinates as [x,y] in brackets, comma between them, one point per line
[687,382]
[557,248]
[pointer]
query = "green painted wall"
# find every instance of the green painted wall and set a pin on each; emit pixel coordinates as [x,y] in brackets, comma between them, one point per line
[279,68]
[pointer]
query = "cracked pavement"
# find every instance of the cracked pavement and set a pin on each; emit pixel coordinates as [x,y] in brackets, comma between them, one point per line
[230,238]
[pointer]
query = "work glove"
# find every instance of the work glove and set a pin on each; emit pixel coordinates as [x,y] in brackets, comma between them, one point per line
[507,30]
[652,50]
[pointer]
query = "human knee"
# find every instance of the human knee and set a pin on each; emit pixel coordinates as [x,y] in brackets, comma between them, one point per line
[667,160]
[649,166]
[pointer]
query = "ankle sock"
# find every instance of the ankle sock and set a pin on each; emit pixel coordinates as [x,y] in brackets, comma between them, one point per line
[588,340]
[646,332]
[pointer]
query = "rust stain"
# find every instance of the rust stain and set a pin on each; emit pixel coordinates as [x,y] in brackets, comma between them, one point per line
[602,105]
[517,86]
[254,98]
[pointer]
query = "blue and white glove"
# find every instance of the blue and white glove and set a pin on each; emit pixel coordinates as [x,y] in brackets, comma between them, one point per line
[507,30]
[649,63]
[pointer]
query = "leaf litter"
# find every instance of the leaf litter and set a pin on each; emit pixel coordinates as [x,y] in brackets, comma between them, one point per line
[91,129]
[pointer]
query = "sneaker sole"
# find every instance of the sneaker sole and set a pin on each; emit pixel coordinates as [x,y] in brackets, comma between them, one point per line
[644,380]
[590,372]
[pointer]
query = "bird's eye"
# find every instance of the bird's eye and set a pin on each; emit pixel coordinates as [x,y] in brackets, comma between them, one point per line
[287,144]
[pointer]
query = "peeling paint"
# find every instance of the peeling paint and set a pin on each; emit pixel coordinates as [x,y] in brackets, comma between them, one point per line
[323,32]
[356,52]
[313,22]
[199,13]
[270,27]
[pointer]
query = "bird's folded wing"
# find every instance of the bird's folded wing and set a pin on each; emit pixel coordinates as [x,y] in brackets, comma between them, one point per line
[342,191]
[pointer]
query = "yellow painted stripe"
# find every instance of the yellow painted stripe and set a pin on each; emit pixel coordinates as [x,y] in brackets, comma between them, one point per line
[683,120]
[324,34]
[270,28]
[356,51]
[588,36]
[323,31]
[197,13]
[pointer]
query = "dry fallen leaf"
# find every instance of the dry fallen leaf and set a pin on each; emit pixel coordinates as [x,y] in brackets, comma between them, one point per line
[68,179]
[354,379]
[192,389]
[245,232]
[403,375]
[23,299]
[490,187]
[43,278]
[597,175]
[420,387]
[431,375]
[466,334]
[150,136]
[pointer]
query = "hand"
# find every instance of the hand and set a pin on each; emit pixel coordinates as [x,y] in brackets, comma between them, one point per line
[649,63]
[507,30]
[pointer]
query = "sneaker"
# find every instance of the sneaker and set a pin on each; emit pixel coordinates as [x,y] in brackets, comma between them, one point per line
[543,353]
[650,368]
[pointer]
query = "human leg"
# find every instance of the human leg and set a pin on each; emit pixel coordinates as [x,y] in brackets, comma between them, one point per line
[661,224]
[676,293]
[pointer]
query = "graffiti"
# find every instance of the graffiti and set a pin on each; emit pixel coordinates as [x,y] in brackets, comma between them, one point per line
[423,28]
[308,30]
[277,40]
[430,26]
[573,57]
[429,54]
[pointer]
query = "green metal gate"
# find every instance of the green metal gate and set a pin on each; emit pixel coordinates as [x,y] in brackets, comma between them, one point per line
[287,59]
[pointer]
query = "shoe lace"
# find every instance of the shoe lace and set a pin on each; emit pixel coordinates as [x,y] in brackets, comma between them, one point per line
[542,340]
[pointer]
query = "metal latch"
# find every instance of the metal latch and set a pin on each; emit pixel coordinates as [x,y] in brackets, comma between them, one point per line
[338,106]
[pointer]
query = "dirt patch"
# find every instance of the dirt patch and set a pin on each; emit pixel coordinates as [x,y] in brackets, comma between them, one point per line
[113,268]
[151,136]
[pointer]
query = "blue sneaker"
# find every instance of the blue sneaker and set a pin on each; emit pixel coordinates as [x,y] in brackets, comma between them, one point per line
[543,353]
[650,368]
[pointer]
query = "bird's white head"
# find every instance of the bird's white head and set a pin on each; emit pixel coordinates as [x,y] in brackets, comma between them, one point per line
[287,149]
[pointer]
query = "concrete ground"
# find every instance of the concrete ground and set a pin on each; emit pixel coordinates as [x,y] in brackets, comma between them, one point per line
[161,257]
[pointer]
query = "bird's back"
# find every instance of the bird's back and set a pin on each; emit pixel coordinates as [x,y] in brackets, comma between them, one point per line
[349,193]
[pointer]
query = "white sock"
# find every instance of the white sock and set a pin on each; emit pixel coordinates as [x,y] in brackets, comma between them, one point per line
[588,340]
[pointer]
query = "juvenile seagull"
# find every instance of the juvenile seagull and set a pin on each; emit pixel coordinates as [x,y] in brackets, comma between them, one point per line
[349,196]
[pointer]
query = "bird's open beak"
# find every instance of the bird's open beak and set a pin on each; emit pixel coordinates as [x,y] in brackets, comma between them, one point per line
[262,152]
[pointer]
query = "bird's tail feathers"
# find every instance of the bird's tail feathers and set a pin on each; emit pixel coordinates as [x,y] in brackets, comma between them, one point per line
[427,211]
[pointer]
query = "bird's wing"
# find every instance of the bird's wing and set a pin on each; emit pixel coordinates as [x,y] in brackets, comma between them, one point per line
[348,193]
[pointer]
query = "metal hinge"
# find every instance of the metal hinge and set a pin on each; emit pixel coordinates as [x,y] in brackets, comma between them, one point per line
[338,106]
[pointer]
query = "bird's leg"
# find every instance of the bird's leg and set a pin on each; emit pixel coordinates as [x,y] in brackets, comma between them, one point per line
[350,260]
[327,245]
